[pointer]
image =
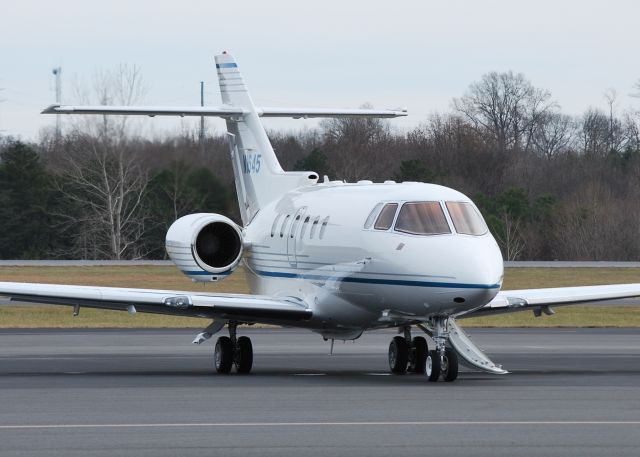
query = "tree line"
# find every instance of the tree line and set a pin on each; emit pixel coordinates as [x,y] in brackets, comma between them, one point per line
[550,185]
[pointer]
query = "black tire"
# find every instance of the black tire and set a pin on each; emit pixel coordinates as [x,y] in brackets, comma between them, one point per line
[433,367]
[244,355]
[398,355]
[419,354]
[450,365]
[223,355]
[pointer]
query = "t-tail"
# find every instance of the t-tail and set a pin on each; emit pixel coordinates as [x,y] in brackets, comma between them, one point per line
[259,177]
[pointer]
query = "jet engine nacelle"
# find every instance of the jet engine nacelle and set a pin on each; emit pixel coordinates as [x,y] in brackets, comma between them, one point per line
[205,246]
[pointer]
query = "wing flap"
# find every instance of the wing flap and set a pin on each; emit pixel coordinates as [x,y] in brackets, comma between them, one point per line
[184,303]
[517,300]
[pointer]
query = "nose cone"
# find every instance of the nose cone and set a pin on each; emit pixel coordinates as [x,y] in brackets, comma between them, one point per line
[478,271]
[485,272]
[489,266]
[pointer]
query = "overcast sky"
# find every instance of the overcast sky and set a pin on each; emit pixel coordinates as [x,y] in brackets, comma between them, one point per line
[416,54]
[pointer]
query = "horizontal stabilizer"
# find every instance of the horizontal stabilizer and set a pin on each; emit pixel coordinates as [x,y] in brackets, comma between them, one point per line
[304,113]
[225,111]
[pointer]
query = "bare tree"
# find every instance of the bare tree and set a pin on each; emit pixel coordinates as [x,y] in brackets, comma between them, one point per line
[353,144]
[507,106]
[553,134]
[121,86]
[105,182]
[594,132]
[616,134]
[100,173]
[511,240]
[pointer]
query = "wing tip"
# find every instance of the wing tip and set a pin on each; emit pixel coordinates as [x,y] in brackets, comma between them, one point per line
[51,109]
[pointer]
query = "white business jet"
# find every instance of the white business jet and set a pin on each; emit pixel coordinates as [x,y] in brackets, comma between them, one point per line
[333,257]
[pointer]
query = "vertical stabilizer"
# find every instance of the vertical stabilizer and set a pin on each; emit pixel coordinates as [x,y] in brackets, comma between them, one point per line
[258,174]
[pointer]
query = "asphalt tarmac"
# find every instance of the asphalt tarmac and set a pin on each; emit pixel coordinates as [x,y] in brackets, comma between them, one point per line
[571,392]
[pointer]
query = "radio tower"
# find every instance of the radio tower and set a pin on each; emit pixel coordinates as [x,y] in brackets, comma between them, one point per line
[57,72]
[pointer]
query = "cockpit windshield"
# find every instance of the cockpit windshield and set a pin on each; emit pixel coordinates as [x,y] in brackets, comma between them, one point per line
[422,218]
[466,219]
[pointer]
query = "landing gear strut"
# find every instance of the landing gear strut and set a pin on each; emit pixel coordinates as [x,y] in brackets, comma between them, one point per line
[230,351]
[443,361]
[406,354]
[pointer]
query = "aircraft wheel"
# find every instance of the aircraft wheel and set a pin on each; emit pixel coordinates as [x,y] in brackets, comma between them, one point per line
[223,355]
[398,355]
[419,356]
[244,355]
[433,366]
[450,365]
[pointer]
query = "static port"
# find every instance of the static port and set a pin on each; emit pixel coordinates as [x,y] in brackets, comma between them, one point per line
[459,300]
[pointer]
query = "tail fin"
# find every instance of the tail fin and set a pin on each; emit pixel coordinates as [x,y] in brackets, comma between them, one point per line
[258,174]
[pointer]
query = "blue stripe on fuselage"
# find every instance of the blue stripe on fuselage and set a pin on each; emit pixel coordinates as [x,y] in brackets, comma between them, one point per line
[390,282]
[226,65]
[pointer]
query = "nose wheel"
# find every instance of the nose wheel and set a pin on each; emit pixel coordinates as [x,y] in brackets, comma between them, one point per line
[442,366]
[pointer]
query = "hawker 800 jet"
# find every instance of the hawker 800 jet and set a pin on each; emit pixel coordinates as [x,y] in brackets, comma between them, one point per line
[333,257]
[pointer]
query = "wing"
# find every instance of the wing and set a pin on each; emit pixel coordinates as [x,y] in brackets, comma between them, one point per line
[220,111]
[539,300]
[246,308]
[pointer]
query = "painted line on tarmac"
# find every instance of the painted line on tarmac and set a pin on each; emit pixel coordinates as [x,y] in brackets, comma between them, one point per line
[320,424]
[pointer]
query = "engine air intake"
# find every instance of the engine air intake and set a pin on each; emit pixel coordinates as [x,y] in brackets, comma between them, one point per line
[218,245]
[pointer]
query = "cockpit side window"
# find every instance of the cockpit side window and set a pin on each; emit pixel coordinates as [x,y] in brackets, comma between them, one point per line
[372,216]
[422,218]
[385,219]
[466,219]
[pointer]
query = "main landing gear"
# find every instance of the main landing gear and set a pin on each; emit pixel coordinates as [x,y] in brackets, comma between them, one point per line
[412,355]
[231,350]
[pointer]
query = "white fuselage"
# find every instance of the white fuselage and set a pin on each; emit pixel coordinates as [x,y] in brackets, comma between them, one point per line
[312,244]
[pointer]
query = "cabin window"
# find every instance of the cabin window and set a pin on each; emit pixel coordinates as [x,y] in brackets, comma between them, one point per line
[385,219]
[372,216]
[304,226]
[466,219]
[275,224]
[284,225]
[314,226]
[324,227]
[295,225]
[422,218]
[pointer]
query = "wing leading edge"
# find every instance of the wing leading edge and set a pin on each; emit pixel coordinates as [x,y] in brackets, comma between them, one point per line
[249,308]
[508,301]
